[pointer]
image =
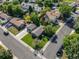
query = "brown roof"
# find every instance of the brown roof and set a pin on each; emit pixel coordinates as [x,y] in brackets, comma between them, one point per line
[53,14]
[17,21]
[4,16]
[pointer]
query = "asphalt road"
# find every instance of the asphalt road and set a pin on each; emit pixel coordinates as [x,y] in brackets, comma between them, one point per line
[52,48]
[17,48]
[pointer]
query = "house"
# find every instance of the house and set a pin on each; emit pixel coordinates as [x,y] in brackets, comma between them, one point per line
[52,16]
[77,2]
[31,27]
[38,31]
[37,8]
[4,17]
[18,23]
[25,6]
[1,1]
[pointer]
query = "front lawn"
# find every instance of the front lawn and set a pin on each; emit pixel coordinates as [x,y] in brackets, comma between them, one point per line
[29,40]
[13,30]
[43,41]
[34,42]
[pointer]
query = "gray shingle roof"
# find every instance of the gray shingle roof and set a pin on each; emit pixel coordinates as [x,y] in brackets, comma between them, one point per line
[31,26]
[37,32]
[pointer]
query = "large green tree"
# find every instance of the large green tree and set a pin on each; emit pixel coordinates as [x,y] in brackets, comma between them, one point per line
[65,10]
[76,26]
[5,54]
[49,30]
[71,46]
[35,19]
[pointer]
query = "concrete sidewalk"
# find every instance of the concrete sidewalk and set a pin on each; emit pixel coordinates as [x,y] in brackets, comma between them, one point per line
[22,34]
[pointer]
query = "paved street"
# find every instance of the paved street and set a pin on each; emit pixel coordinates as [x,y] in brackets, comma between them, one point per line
[52,48]
[17,48]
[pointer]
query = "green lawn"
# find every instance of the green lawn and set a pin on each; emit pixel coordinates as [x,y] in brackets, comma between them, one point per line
[43,41]
[13,30]
[33,42]
[29,40]
[55,28]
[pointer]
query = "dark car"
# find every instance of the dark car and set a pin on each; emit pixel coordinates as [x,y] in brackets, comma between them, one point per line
[60,51]
[70,23]
[54,39]
[6,32]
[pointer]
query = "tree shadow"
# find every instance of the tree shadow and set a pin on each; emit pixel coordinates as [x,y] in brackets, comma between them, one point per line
[70,23]
[54,38]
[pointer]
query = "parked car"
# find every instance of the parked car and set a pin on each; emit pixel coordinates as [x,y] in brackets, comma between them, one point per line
[6,33]
[54,39]
[60,52]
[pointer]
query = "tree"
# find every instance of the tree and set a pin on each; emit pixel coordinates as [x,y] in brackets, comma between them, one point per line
[65,10]
[15,2]
[27,18]
[71,46]
[5,54]
[26,1]
[9,10]
[21,1]
[48,3]
[17,11]
[35,19]
[49,30]
[30,9]
[76,26]
[40,2]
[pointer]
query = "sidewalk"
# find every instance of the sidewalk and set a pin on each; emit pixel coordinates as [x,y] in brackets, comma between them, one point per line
[22,34]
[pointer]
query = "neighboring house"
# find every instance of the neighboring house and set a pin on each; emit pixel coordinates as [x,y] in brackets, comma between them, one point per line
[72,4]
[52,16]
[4,17]
[1,1]
[25,6]
[77,2]
[37,8]
[38,31]
[18,23]
[31,27]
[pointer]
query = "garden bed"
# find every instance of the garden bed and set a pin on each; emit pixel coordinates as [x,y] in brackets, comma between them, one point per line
[13,30]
